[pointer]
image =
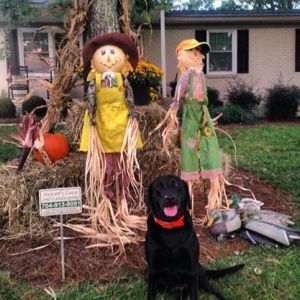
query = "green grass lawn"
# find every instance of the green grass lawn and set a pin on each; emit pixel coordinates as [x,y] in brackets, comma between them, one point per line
[271,152]
[270,273]
[8,152]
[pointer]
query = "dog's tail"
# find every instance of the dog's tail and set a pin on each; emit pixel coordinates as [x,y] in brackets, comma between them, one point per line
[215,274]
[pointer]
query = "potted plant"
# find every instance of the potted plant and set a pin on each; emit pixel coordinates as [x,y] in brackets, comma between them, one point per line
[145,76]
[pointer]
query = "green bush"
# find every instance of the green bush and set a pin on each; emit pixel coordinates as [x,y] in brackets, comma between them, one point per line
[213,96]
[172,85]
[233,114]
[282,102]
[242,94]
[7,108]
[29,105]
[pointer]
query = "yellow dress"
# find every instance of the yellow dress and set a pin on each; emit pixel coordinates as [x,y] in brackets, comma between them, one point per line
[111,117]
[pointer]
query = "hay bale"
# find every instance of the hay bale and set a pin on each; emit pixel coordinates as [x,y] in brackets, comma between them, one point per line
[19,205]
[74,122]
[154,163]
[148,118]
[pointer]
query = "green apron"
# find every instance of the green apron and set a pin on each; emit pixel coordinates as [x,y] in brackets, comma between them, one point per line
[198,158]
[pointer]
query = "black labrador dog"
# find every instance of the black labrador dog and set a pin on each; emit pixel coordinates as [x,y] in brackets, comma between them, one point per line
[171,246]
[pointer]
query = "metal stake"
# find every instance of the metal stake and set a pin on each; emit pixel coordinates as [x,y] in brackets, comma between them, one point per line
[62,248]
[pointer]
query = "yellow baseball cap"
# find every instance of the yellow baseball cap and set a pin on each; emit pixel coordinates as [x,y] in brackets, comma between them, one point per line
[203,47]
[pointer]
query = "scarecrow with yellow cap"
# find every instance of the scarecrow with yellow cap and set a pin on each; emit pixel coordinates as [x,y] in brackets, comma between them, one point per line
[200,154]
[110,134]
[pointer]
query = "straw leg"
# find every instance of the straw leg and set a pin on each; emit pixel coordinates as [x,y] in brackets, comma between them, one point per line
[190,186]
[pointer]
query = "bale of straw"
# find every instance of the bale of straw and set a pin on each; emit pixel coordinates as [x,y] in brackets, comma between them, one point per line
[148,118]
[19,209]
[74,122]
[154,163]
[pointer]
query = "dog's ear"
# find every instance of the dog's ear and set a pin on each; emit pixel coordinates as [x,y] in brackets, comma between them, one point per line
[187,195]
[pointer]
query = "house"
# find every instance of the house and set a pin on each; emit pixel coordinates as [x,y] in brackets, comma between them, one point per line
[33,45]
[259,47]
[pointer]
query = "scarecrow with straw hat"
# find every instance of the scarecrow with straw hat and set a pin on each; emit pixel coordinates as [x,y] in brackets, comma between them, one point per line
[110,134]
[200,155]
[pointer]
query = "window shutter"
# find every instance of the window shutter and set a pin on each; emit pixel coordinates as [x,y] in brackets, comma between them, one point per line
[297,51]
[200,36]
[13,59]
[243,51]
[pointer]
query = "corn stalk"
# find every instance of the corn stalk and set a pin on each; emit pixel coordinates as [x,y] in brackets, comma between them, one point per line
[68,57]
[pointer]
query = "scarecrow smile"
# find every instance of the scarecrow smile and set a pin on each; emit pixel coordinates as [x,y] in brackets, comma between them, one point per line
[110,62]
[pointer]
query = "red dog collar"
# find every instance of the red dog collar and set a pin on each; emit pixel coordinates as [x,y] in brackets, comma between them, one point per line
[169,225]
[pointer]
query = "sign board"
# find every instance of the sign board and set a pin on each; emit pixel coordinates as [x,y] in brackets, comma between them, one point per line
[60,201]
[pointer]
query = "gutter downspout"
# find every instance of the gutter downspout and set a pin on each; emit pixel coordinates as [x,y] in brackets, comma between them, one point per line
[163,51]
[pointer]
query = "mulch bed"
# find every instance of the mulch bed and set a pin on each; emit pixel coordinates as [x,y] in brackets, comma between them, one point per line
[42,266]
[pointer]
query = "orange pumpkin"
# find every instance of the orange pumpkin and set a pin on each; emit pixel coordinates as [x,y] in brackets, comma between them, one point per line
[56,146]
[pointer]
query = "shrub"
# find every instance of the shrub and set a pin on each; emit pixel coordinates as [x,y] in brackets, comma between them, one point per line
[242,94]
[282,102]
[213,96]
[29,105]
[172,84]
[7,108]
[233,114]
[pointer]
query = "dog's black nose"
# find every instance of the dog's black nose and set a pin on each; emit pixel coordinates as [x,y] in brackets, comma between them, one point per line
[169,198]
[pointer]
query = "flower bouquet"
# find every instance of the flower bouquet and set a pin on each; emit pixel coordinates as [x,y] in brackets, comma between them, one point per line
[145,76]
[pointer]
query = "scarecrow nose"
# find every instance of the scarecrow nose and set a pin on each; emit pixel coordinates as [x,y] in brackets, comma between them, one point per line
[108,59]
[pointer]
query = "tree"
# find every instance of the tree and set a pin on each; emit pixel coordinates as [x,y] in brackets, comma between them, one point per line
[194,5]
[260,4]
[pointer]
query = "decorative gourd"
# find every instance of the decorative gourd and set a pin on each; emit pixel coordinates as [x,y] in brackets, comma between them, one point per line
[56,146]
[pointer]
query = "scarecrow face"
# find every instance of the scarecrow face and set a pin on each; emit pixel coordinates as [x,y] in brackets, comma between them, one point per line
[189,59]
[108,58]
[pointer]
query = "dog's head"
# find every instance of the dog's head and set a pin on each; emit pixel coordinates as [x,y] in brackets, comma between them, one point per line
[168,197]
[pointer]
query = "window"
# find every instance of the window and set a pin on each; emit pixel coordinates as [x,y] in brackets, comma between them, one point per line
[223,55]
[37,49]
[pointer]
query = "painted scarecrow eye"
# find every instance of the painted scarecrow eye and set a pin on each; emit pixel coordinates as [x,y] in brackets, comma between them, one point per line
[103,52]
[112,51]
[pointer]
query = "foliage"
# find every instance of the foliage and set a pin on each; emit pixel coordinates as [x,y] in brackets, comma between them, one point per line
[17,12]
[146,74]
[79,70]
[233,114]
[242,94]
[35,101]
[282,102]
[7,108]
[145,8]
[8,151]
[154,95]
[259,4]
[213,96]
[271,152]
[194,5]
[58,8]
[4,50]
[172,84]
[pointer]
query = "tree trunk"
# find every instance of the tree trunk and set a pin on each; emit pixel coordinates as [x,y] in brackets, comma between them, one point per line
[104,16]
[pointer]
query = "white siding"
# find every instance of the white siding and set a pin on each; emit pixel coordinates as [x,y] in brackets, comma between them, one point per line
[3,68]
[271,57]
